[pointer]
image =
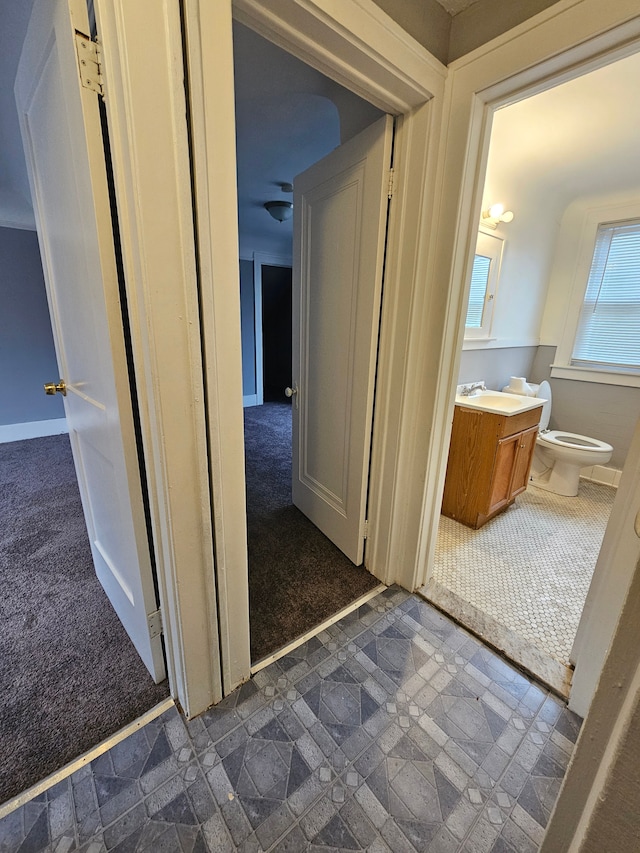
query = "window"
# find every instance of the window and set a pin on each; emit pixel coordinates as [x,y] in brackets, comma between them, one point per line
[484,283]
[608,333]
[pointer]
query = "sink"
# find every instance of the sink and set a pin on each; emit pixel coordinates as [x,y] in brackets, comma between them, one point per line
[498,402]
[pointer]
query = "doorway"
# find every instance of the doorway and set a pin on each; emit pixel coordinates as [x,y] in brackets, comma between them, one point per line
[276,332]
[523,578]
[290,559]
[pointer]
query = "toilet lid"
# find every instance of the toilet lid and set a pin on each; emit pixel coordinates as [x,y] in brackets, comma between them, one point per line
[544,392]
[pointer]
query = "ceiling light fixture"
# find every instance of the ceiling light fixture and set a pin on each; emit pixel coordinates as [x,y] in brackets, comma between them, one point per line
[494,215]
[280,210]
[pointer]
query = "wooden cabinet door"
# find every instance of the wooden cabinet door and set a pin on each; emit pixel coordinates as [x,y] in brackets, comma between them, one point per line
[524,457]
[503,469]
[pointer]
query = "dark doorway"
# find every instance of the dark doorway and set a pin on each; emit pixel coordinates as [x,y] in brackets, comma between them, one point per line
[276,332]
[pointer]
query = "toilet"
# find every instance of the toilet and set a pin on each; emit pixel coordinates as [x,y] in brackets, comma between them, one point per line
[559,455]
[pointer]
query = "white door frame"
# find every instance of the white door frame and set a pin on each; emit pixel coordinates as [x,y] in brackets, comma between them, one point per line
[149,148]
[261,259]
[358,45]
[560,43]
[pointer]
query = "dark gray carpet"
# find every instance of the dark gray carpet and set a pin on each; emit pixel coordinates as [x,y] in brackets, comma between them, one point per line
[297,577]
[69,676]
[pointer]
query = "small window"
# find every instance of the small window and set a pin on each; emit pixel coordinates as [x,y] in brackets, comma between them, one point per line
[484,283]
[608,333]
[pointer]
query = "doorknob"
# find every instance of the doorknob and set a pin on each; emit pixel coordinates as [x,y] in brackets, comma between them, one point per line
[292,392]
[53,388]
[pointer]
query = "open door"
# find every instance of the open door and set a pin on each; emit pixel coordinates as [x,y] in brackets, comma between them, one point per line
[340,210]
[62,137]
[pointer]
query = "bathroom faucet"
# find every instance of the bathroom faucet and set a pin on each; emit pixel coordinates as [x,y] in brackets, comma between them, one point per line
[470,388]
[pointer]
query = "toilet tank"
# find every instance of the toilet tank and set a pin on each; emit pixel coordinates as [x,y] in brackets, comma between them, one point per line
[544,392]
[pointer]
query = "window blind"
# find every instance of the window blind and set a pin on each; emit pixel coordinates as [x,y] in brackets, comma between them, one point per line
[608,334]
[477,293]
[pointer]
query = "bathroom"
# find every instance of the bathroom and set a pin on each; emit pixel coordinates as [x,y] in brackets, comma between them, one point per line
[556,164]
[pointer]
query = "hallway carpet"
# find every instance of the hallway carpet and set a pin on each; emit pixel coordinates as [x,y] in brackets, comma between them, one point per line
[297,577]
[69,676]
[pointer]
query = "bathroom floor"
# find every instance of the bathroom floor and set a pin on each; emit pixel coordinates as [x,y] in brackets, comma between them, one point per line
[393,730]
[530,567]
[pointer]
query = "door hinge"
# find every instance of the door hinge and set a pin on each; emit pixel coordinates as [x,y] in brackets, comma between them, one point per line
[89,63]
[390,186]
[365,530]
[154,620]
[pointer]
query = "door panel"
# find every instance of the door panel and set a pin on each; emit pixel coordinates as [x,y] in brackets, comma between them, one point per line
[502,476]
[527,444]
[62,137]
[340,210]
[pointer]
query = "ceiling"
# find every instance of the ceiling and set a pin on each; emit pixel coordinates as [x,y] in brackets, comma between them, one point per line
[576,140]
[580,138]
[455,6]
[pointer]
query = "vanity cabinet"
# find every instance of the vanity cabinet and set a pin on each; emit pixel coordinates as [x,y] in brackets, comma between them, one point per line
[489,462]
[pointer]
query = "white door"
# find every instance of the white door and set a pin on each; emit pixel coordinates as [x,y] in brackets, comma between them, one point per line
[62,137]
[340,210]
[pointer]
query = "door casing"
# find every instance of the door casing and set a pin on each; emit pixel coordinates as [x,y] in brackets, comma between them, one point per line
[148,138]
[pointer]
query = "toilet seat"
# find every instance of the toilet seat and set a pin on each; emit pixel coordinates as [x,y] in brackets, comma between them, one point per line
[561,438]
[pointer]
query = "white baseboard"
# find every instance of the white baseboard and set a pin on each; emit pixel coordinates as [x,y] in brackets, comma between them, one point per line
[33,429]
[602,474]
[250,400]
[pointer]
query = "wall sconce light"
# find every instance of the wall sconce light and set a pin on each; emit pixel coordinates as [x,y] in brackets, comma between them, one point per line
[495,214]
[280,210]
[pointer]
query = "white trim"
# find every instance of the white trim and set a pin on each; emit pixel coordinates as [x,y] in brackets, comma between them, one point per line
[258,354]
[250,400]
[261,259]
[602,474]
[299,641]
[214,162]
[486,247]
[499,343]
[354,43]
[148,137]
[85,758]
[604,377]
[32,429]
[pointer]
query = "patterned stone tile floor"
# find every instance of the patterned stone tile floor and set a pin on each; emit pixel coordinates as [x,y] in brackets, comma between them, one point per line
[393,731]
[530,567]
